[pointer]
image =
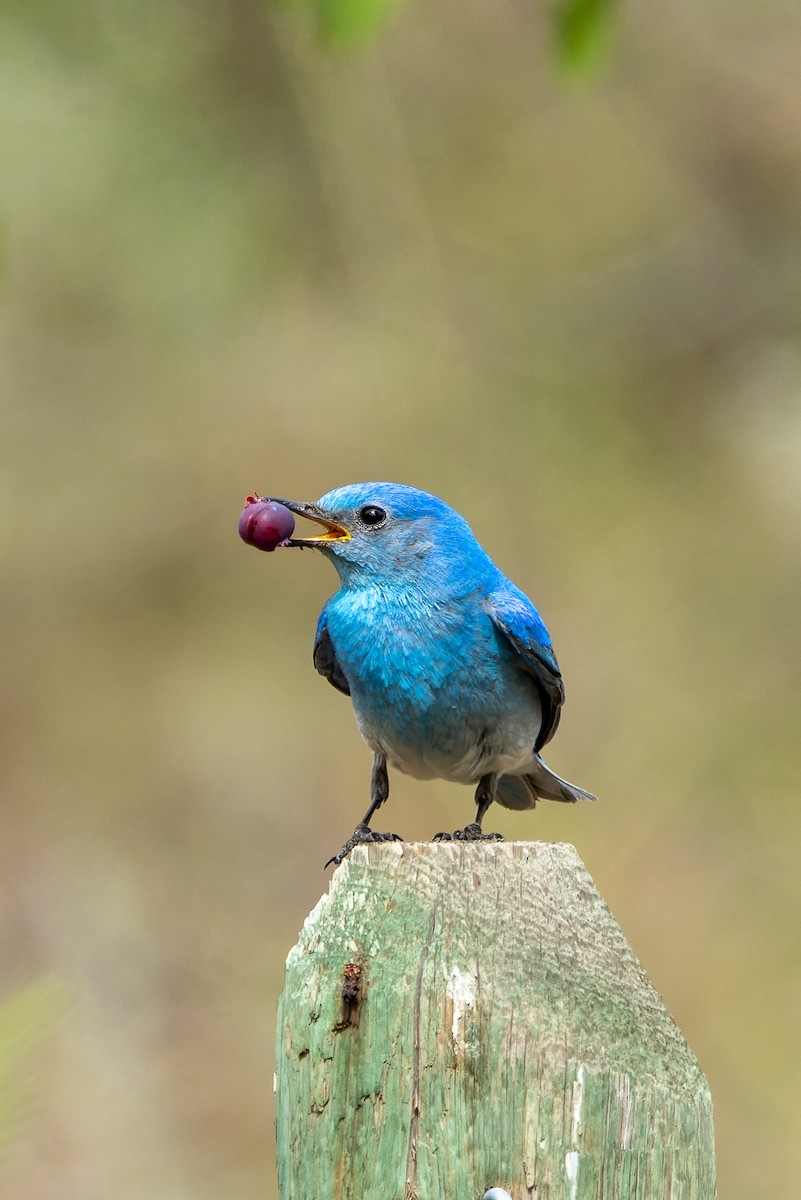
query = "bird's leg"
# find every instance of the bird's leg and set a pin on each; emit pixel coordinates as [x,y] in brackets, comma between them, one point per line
[485,794]
[379,791]
[379,787]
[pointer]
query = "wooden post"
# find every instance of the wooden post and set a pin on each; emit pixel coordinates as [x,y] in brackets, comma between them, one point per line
[458,1017]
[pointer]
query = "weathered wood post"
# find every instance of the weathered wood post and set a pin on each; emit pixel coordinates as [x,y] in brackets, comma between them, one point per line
[458,1017]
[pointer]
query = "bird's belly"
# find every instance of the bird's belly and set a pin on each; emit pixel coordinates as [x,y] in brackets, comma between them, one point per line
[460,746]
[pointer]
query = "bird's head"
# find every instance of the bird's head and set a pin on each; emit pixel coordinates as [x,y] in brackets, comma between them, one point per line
[385,532]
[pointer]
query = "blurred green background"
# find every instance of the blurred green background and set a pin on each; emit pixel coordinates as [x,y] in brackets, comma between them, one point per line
[235,257]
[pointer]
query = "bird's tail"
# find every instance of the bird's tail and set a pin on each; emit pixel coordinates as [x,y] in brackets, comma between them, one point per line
[523,791]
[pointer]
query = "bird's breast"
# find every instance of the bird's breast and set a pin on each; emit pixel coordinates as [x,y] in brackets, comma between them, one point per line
[409,649]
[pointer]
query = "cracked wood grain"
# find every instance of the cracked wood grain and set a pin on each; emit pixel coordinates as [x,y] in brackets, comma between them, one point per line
[411,1192]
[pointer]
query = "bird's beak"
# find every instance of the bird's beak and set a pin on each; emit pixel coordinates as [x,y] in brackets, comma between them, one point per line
[333,531]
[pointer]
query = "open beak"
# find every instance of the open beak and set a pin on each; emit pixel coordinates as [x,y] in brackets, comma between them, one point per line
[333,532]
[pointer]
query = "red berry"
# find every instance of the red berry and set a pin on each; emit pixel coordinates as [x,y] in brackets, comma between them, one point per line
[264,523]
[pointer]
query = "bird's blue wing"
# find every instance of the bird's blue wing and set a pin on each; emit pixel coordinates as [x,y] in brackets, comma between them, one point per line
[325,659]
[521,625]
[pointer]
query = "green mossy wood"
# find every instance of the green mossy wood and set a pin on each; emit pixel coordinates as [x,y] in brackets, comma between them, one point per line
[495,1030]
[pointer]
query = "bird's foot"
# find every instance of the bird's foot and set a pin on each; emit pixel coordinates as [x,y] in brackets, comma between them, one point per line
[470,833]
[361,836]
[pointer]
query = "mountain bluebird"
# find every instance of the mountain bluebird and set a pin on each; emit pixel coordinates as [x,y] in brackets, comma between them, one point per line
[449,666]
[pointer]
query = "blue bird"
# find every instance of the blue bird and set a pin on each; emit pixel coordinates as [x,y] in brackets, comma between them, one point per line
[448,665]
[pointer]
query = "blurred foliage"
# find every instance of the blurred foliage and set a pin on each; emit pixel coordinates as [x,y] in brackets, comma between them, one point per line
[234,260]
[26,1019]
[345,19]
[581,27]
[582,30]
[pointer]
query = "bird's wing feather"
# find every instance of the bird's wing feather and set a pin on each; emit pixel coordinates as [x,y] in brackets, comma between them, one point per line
[325,659]
[518,620]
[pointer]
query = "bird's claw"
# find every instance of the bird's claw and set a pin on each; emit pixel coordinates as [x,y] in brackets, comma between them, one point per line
[470,833]
[362,835]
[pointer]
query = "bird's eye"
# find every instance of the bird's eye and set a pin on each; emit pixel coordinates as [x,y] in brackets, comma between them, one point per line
[371,514]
